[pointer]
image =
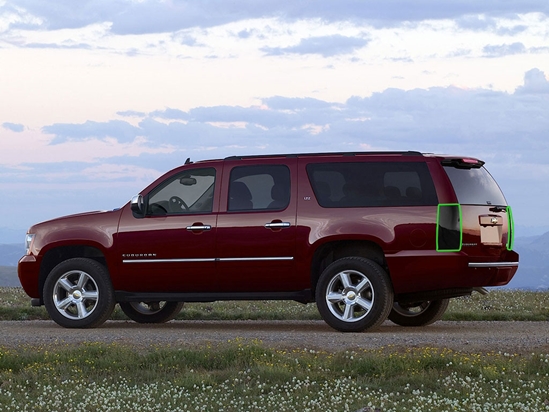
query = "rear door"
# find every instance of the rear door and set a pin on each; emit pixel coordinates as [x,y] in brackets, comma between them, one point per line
[256,226]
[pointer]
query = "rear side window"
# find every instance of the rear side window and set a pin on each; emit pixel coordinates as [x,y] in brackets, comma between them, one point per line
[372,184]
[263,187]
[475,186]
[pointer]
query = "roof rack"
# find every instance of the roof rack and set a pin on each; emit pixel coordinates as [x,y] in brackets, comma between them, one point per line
[403,153]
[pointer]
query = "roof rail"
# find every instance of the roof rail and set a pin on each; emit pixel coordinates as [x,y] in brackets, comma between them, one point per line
[403,153]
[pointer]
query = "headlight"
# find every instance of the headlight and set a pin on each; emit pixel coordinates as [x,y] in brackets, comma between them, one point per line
[28,243]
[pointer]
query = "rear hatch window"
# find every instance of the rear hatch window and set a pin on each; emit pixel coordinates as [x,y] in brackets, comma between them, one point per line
[474,185]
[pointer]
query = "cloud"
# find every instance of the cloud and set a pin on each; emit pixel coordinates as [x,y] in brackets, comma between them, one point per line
[535,82]
[59,46]
[138,17]
[476,22]
[482,22]
[244,34]
[13,16]
[14,127]
[131,113]
[438,119]
[296,103]
[504,49]
[511,31]
[174,114]
[118,129]
[326,46]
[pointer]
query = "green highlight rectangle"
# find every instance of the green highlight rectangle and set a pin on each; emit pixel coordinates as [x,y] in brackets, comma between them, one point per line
[449,231]
[510,229]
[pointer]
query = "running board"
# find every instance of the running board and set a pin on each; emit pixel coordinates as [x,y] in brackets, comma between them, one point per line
[302,296]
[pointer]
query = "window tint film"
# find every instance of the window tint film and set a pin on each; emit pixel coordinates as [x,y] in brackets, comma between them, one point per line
[262,187]
[188,192]
[475,186]
[372,184]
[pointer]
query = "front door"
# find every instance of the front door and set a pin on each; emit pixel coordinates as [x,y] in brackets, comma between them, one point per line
[172,248]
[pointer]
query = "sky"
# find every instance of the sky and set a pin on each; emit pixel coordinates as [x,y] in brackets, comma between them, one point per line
[100,97]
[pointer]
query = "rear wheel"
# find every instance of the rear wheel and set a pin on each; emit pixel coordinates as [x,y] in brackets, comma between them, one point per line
[78,293]
[354,294]
[418,313]
[151,312]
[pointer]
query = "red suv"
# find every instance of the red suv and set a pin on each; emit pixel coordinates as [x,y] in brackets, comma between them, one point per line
[364,235]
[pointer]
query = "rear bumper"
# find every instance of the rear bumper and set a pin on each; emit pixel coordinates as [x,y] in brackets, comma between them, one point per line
[495,273]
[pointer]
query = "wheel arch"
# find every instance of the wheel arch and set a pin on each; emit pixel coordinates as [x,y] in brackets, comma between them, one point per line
[59,254]
[329,252]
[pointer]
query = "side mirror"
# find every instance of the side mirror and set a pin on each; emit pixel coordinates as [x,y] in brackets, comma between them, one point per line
[137,206]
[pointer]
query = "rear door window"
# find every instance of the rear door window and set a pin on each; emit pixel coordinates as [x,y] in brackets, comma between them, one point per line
[364,184]
[262,187]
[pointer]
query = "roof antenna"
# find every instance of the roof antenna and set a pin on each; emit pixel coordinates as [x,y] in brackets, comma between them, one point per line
[188,161]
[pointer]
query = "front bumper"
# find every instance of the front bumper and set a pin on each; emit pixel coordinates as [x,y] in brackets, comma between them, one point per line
[28,270]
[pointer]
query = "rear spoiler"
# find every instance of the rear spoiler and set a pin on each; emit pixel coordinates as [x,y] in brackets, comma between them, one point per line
[463,163]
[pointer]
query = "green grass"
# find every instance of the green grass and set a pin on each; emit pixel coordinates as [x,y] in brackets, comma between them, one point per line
[239,376]
[500,304]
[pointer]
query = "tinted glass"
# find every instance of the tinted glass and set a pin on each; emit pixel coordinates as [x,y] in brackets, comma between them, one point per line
[372,184]
[449,230]
[262,187]
[475,187]
[188,192]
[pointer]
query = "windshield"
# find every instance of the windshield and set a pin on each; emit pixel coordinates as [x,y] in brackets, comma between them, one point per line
[475,186]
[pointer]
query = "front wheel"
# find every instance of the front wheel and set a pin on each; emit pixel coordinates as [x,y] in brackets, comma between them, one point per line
[78,293]
[418,313]
[354,294]
[151,312]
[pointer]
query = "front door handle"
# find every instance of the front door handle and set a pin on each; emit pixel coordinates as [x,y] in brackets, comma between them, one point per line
[277,225]
[199,227]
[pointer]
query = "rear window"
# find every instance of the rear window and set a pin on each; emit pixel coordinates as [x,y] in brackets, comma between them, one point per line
[475,186]
[372,184]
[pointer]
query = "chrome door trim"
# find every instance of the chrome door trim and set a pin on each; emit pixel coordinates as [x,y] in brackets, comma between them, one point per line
[240,259]
[168,260]
[248,259]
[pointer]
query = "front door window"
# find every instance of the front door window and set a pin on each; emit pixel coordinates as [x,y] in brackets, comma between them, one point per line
[188,192]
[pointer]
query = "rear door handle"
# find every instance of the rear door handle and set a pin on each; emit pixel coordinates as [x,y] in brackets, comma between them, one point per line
[277,225]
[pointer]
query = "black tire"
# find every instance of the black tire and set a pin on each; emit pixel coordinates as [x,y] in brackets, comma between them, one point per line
[78,294]
[354,294]
[418,313]
[151,312]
